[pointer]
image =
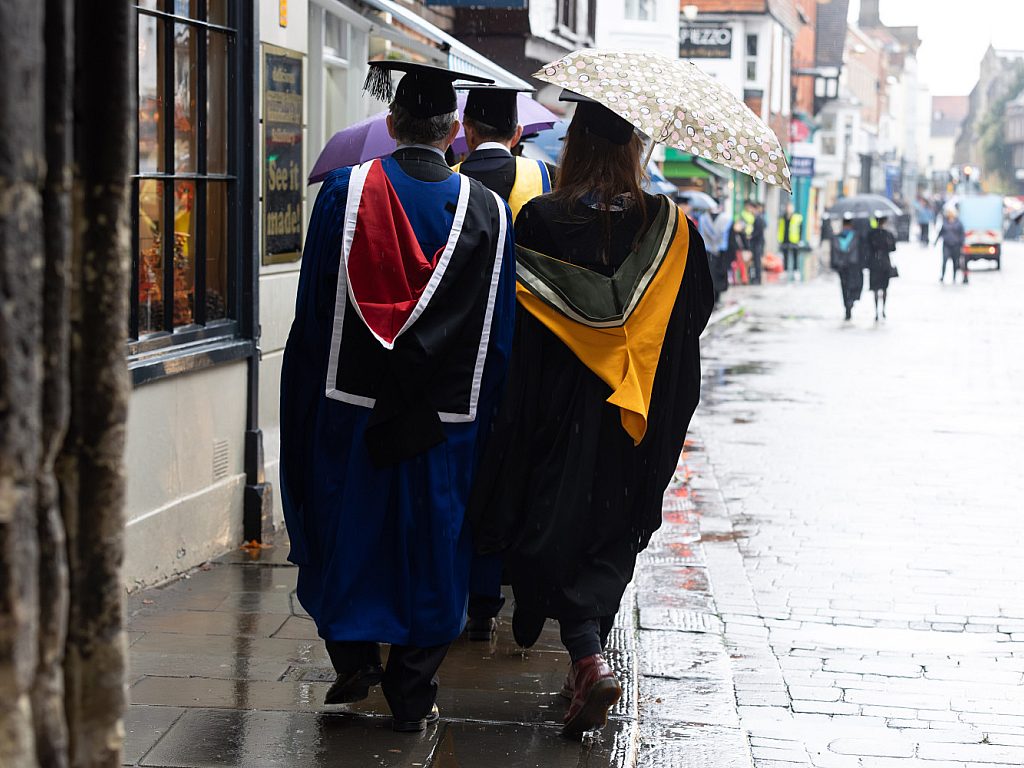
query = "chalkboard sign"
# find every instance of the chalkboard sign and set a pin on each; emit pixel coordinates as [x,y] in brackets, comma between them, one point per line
[282,155]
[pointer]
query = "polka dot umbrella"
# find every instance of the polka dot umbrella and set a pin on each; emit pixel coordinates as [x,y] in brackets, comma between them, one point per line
[675,103]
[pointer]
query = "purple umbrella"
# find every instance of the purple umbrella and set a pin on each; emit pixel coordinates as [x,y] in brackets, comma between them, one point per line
[369,139]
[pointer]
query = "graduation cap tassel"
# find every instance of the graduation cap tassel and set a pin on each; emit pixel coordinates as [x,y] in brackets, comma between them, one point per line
[378,84]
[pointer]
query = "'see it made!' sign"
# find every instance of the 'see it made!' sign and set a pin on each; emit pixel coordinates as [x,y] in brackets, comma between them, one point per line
[283,182]
[705,41]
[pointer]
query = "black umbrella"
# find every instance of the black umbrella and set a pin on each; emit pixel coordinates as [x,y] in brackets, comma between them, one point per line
[864,206]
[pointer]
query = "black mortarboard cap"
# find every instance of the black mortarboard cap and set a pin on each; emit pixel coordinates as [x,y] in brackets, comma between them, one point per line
[497,107]
[598,119]
[424,90]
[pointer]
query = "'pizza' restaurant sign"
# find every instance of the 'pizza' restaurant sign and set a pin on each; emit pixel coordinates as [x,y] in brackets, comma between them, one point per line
[705,41]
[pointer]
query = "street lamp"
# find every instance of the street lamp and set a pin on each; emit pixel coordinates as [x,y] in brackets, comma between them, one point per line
[690,12]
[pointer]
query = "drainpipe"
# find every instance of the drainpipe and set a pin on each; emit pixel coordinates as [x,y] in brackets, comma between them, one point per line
[257,505]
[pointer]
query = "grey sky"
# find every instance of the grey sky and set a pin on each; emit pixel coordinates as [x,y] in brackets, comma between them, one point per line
[955,35]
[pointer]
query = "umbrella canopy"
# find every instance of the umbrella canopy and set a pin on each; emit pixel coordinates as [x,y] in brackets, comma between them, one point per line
[356,144]
[369,138]
[674,102]
[699,200]
[864,206]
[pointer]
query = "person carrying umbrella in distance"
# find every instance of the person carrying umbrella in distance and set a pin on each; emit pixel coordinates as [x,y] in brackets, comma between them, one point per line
[393,365]
[614,291]
[491,123]
[881,242]
[847,261]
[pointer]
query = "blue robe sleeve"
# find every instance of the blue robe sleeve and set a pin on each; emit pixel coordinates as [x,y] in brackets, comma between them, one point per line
[304,368]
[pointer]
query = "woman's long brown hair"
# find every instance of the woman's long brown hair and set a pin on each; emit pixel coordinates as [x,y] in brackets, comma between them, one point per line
[596,171]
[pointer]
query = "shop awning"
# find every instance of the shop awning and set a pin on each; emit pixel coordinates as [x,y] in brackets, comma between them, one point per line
[682,165]
[461,57]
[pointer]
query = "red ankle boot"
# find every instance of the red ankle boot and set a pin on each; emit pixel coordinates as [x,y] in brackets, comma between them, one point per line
[595,691]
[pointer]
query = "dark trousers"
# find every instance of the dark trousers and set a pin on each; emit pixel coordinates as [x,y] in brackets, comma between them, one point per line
[410,678]
[485,606]
[585,637]
[790,252]
[485,599]
[924,232]
[950,254]
[756,251]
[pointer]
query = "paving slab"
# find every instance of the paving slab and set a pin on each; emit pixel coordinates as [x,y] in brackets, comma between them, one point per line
[857,573]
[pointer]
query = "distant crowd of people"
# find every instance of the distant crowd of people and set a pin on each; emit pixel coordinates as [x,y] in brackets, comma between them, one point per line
[736,246]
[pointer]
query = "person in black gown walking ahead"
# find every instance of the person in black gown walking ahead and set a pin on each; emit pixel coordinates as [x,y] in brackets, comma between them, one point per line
[881,243]
[847,261]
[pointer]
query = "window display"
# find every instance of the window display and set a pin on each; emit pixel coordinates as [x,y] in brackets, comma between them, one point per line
[184,177]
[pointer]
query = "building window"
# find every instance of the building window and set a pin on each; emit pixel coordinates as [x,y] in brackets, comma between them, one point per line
[567,14]
[185,207]
[640,10]
[751,57]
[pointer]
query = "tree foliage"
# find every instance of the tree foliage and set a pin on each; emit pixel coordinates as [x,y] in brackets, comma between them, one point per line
[996,152]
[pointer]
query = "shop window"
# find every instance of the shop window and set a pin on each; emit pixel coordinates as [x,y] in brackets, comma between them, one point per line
[185,255]
[640,10]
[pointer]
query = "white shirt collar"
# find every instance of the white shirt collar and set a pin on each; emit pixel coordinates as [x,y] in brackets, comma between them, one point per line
[494,145]
[420,146]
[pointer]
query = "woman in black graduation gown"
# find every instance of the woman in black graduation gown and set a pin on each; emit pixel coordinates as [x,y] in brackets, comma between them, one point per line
[571,485]
[881,243]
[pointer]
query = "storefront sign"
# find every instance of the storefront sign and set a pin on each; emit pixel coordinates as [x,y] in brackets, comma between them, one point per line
[801,167]
[705,41]
[282,155]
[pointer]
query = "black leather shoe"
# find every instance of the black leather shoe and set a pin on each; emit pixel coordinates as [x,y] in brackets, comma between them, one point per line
[481,629]
[356,686]
[526,627]
[415,726]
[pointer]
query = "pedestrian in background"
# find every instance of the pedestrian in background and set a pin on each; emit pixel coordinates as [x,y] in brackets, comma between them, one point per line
[753,218]
[736,251]
[952,235]
[847,261]
[604,378]
[391,373]
[790,235]
[924,214]
[710,225]
[881,243]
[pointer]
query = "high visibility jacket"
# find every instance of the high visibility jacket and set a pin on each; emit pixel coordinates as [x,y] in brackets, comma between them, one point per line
[531,180]
[748,222]
[796,222]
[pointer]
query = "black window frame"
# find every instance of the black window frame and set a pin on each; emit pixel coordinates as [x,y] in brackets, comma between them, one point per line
[201,344]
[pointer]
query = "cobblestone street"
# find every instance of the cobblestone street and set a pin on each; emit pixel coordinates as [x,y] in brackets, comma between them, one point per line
[871,581]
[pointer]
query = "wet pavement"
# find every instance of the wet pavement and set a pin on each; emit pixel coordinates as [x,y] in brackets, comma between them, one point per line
[870,581]
[226,670]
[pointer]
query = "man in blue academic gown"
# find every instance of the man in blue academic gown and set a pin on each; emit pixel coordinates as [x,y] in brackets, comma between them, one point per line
[391,373]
